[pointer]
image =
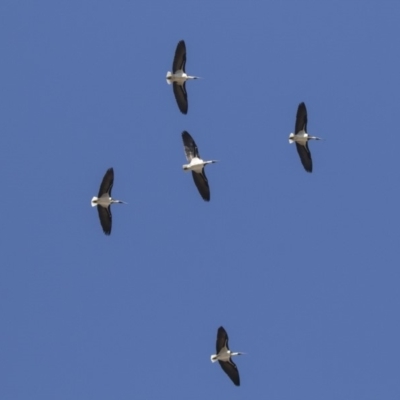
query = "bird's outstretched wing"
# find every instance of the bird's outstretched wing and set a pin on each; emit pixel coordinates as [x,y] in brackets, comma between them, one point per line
[181,96]
[222,339]
[105,218]
[301,119]
[190,146]
[201,183]
[180,57]
[107,183]
[231,370]
[305,156]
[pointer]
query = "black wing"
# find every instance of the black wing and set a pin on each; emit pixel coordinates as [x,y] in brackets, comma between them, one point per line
[181,96]
[222,339]
[105,219]
[202,184]
[301,119]
[305,156]
[107,183]
[180,57]
[231,370]
[190,146]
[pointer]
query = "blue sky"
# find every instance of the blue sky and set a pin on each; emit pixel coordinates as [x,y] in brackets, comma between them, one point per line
[301,269]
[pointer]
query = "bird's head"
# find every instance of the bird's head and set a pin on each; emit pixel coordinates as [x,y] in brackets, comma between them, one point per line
[94,201]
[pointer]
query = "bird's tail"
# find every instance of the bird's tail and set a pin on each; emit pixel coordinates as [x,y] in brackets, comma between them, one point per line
[168,77]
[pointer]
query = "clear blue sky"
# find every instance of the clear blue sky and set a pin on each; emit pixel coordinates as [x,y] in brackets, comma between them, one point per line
[301,269]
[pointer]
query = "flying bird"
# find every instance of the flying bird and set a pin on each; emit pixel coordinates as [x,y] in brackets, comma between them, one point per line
[104,200]
[196,165]
[178,77]
[224,356]
[301,137]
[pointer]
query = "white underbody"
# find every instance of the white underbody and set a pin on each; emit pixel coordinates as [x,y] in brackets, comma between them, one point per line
[179,77]
[103,201]
[301,138]
[223,355]
[196,165]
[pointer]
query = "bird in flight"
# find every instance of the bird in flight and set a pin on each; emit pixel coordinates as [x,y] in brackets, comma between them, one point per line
[301,137]
[224,356]
[104,200]
[178,77]
[196,165]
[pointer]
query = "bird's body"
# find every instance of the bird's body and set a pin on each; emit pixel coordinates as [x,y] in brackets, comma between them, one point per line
[224,356]
[178,77]
[104,200]
[196,165]
[301,137]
